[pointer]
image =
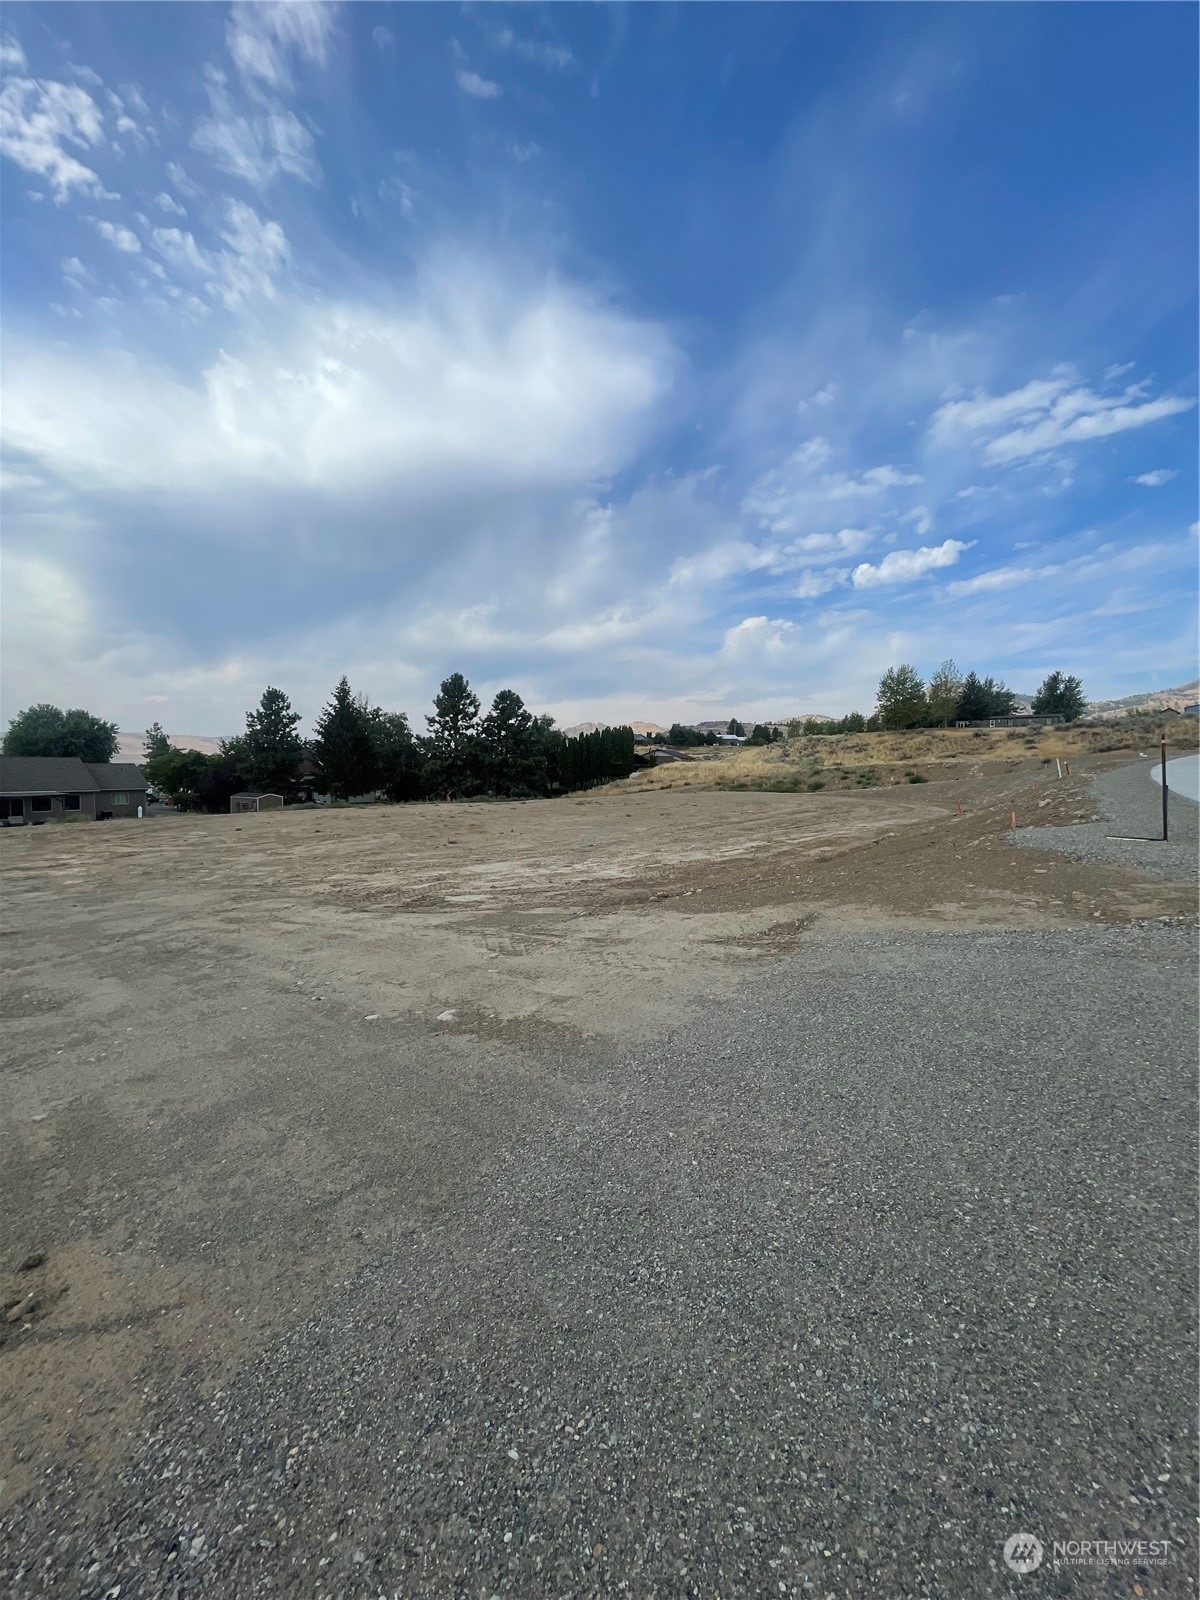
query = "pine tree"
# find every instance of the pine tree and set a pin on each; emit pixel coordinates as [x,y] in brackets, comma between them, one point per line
[343,753]
[1060,694]
[453,743]
[271,747]
[155,742]
[514,762]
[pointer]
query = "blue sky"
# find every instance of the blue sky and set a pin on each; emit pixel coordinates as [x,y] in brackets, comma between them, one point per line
[656,361]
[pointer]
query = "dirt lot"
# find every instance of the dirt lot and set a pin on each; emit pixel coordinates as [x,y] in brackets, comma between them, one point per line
[185,1142]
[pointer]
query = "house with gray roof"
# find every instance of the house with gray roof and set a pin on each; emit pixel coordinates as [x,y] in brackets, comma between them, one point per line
[41,788]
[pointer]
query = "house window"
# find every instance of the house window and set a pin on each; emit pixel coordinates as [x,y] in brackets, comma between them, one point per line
[41,802]
[120,799]
[70,802]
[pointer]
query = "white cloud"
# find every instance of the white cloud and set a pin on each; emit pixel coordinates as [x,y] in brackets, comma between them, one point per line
[467,384]
[255,253]
[121,238]
[257,148]
[998,579]
[1046,415]
[759,635]
[524,152]
[383,40]
[260,38]
[75,271]
[812,454]
[825,396]
[181,180]
[920,519]
[812,585]
[539,51]
[1155,479]
[12,57]
[38,119]
[479,88]
[903,566]
[166,202]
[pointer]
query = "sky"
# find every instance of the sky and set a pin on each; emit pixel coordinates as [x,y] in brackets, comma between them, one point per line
[656,361]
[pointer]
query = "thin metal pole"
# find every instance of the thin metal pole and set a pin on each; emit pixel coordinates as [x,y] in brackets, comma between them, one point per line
[1162,750]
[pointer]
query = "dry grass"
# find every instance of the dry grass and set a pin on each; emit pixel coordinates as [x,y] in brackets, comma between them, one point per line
[867,760]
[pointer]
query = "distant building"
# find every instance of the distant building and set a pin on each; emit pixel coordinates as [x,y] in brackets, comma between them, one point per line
[254,800]
[1193,710]
[1017,720]
[40,788]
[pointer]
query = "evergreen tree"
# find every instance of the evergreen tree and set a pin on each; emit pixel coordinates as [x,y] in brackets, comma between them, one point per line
[901,699]
[155,742]
[513,759]
[1060,694]
[271,747]
[343,752]
[982,698]
[736,727]
[453,742]
[44,730]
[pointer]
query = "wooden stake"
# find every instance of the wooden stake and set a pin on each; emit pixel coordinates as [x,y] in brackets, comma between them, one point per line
[1014,820]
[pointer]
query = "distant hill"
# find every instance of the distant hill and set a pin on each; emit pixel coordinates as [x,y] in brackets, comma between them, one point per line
[1155,700]
[577,728]
[129,745]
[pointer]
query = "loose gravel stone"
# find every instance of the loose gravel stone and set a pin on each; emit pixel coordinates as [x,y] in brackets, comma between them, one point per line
[1129,832]
[848,1285]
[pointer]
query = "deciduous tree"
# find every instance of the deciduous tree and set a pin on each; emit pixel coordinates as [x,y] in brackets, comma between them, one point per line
[901,699]
[945,689]
[44,730]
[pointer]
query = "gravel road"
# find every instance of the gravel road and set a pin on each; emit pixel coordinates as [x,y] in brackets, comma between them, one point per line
[828,1298]
[1129,804]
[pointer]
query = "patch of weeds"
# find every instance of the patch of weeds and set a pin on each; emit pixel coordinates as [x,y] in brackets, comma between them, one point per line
[814,784]
[916,777]
[867,779]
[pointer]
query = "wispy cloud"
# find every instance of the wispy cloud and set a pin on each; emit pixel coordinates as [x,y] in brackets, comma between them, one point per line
[256,147]
[542,52]
[39,119]
[122,239]
[478,88]
[1155,479]
[1048,413]
[262,38]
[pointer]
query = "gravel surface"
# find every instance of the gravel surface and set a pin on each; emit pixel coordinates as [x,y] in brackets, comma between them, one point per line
[826,1299]
[1129,804]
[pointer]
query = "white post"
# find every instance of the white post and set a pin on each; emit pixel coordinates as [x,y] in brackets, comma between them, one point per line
[1058,764]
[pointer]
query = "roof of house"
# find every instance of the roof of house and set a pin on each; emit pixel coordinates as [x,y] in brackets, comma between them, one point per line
[27,775]
[116,774]
[256,794]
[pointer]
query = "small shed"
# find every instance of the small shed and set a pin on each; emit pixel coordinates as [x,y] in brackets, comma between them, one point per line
[254,800]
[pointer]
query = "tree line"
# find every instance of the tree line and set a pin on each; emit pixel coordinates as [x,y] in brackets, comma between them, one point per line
[904,700]
[360,749]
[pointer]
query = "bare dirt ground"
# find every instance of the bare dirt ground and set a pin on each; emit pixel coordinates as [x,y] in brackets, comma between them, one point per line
[184,1144]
